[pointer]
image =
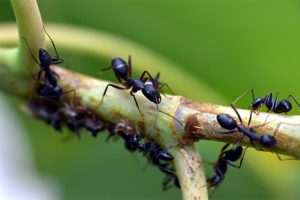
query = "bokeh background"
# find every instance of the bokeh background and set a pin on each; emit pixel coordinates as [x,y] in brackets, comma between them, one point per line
[229,45]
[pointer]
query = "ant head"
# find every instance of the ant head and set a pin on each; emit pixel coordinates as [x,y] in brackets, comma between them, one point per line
[151,92]
[283,106]
[256,103]
[120,67]
[45,58]
[268,140]
[226,121]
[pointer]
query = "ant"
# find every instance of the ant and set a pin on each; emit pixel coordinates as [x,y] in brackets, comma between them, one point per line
[283,106]
[156,155]
[227,122]
[148,86]
[48,90]
[226,157]
[45,60]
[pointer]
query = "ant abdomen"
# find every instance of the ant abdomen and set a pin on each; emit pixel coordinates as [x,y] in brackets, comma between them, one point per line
[120,67]
[234,154]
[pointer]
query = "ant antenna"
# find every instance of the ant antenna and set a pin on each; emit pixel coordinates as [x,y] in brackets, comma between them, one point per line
[57,57]
[30,51]
[237,113]
[168,115]
[33,76]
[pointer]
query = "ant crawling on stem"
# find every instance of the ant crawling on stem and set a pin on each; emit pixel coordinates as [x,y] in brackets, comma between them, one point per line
[227,122]
[226,158]
[45,60]
[147,85]
[283,106]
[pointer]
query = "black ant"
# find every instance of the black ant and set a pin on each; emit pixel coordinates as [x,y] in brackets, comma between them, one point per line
[49,89]
[283,106]
[226,158]
[227,122]
[155,154]
[45,60]
[148,86]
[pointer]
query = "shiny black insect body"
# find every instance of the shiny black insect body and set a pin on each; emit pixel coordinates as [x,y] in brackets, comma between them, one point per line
[44,61]
[77,118]
[227,122]
[282,106]
[122,72]
[147,85]
[155,153]
[226,157]
[51,93]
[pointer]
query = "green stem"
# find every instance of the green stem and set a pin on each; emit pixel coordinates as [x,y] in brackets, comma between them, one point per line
[30,27]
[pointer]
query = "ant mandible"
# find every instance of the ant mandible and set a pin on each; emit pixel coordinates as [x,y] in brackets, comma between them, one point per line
[226,157]
[227,122]
[148,86]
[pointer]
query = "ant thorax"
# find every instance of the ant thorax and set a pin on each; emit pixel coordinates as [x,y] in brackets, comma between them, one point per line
[136,84]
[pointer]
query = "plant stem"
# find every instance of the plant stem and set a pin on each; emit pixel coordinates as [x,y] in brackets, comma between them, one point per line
[30,27]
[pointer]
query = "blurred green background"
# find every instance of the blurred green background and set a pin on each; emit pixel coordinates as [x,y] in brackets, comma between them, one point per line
[230,45]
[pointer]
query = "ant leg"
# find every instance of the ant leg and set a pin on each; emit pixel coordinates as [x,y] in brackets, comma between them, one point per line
[156,78]
[227,132]
[110,85]
[166,181]
[136,103]
[241,161]
[39,75]
[57,60]
[105,69]
[118,77]
[74,95]
[284,159]
[143,75]
[293,99]
[250,118]
[165,84]
[129,65]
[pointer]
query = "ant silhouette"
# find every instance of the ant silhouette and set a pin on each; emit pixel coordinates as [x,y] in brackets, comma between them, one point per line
[226,157]
[147,85]
[283,106]
[49,89]
[227,122]
[45,60]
